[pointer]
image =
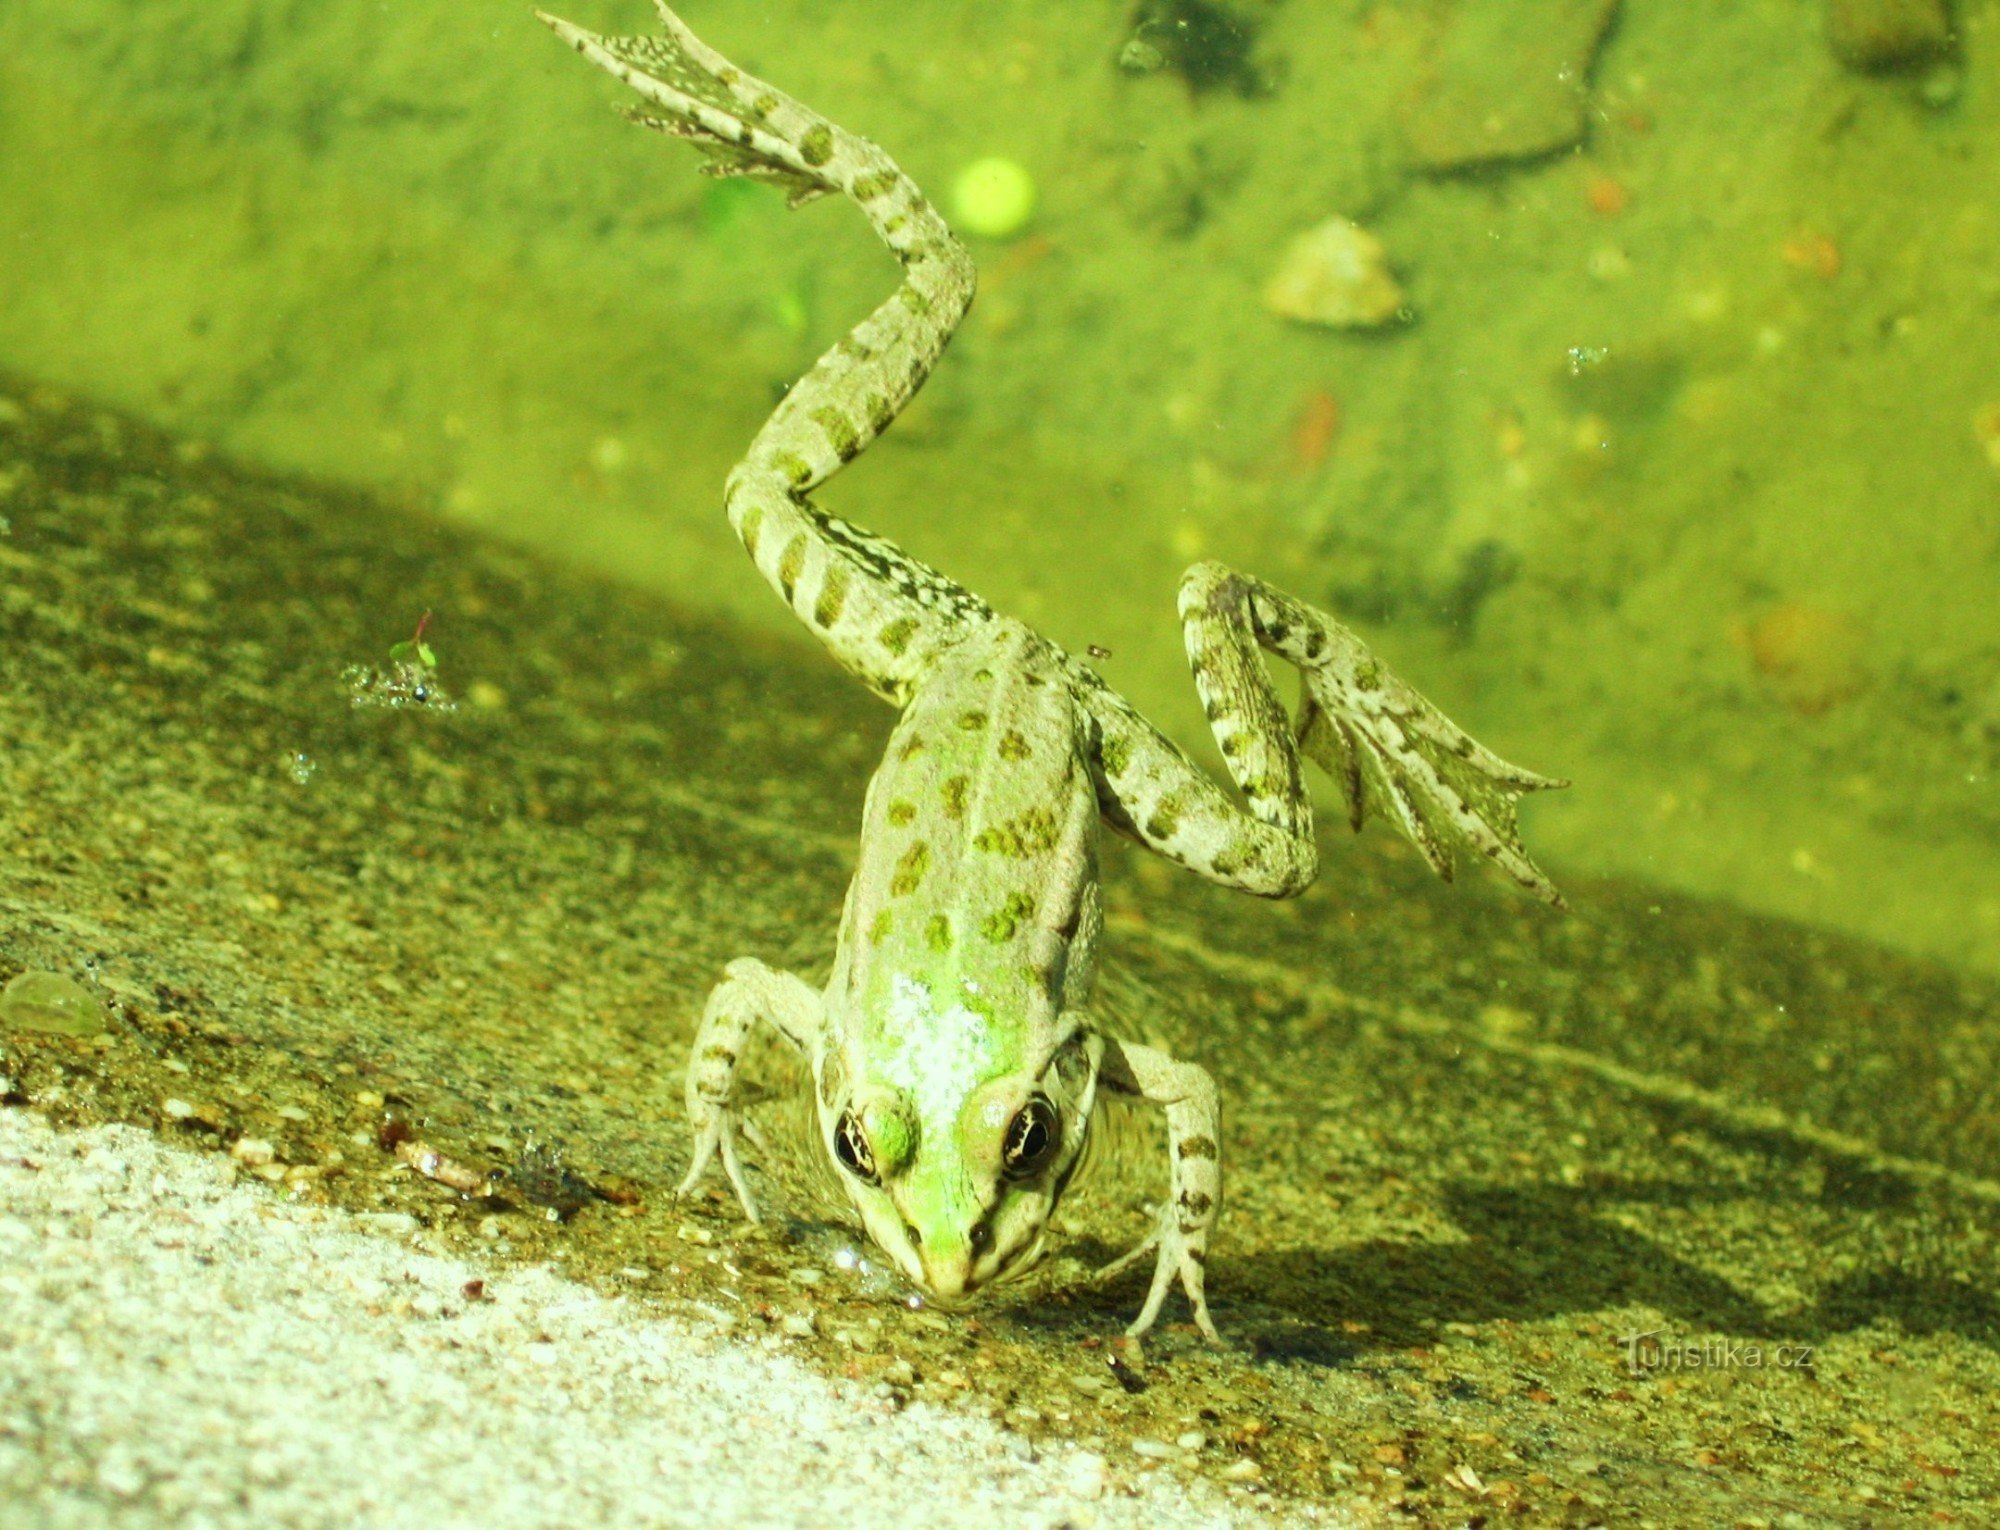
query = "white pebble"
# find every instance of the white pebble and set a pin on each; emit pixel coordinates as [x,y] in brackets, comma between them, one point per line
[1336,274]
[1087,1475]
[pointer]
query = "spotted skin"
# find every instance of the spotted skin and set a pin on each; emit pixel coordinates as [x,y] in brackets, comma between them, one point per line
[956,1065]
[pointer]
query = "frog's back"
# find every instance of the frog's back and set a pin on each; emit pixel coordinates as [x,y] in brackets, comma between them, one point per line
[976,890]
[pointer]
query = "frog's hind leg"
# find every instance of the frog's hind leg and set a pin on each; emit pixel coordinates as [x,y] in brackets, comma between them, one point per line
[1391,751]
[881,612]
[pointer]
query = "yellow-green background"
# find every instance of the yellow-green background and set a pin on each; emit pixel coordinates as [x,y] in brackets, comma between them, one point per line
[407,245]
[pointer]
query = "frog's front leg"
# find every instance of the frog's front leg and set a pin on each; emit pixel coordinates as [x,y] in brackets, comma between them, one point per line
[748,992]
[1194,1129]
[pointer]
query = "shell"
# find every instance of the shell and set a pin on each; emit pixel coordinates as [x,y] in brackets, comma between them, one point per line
[1337,274]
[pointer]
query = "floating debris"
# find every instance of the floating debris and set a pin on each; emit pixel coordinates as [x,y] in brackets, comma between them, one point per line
[542,1177]
[1583,357]
[449,1172]
[409,680]
[1336,274]
[50,1004]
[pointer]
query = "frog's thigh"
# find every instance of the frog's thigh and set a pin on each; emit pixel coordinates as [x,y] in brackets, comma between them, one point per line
[749,992]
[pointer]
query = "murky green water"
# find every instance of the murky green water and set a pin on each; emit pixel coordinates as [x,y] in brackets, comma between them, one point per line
[1682,478]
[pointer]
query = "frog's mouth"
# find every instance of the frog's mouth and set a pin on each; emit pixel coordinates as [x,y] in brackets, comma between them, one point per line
[1024,1261]
[950,1294]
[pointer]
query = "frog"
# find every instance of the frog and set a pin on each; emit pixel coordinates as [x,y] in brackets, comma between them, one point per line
[956,1063]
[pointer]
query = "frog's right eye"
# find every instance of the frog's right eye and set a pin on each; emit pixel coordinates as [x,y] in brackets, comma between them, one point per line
[850,1146]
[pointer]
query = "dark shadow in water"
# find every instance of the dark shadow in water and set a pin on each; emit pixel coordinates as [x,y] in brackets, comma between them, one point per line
[1921,1304]
[1544,1251]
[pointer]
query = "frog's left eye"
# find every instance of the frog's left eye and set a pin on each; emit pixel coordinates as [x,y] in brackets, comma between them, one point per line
[1032,1138]
[850,1146]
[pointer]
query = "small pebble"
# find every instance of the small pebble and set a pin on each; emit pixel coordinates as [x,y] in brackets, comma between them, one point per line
[1087,1475]
[120,1473]
[252,1151]
[1336,274]
[1888,34]
[50,1004]
[1194,1439]
[394,1223]
[1245,1470]
[797,1325]
[1153,1450]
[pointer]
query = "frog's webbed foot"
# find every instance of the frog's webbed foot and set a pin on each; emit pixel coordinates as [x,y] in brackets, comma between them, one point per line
[744,126]
[1393,753]
[1181,1226]
[748,993]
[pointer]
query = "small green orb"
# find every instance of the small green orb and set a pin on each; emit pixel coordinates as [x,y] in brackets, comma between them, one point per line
[993,197]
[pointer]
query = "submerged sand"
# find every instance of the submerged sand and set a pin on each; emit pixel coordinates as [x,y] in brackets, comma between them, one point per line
[1473,1148]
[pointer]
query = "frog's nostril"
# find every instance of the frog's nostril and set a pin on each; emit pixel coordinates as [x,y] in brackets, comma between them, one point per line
[981,1237]
[916,1238]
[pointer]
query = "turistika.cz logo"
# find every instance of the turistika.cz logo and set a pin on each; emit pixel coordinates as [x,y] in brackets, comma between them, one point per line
[1647,1353]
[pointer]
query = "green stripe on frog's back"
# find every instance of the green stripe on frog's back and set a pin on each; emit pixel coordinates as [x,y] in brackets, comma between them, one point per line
[977,847]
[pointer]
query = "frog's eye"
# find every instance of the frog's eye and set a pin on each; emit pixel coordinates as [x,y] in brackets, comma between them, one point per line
[1032,1138]
[850,1146]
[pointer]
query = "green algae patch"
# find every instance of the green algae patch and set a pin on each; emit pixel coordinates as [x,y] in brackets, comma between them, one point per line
[50,1004]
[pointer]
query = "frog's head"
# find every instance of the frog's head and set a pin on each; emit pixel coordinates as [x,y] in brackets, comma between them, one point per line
[955,1180]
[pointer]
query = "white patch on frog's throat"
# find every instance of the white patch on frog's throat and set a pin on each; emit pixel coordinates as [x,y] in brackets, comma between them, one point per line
[936,1056]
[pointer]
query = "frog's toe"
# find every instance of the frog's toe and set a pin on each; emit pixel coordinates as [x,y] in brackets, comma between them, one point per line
[1176,1256]
[1125,1262]
[718,1139]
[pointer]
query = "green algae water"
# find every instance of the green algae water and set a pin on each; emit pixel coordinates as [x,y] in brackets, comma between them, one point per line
[1673,468]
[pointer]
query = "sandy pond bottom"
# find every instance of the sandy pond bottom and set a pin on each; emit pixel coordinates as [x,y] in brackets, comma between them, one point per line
[1473,1148]
[184,1349]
